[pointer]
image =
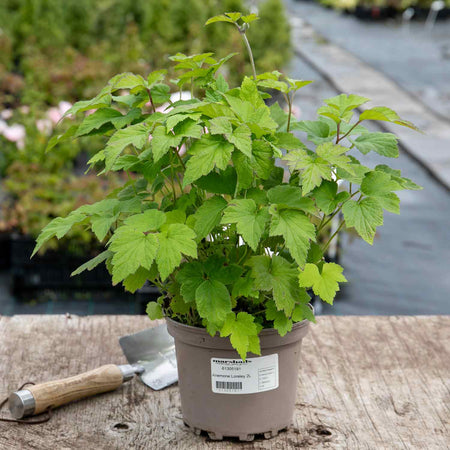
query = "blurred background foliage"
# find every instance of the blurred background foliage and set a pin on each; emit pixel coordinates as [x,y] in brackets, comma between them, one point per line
[54,53]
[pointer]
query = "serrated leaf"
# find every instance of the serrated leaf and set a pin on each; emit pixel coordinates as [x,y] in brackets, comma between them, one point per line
[288,141]
[365,216]
[207,153]
[55,140]
[286,196]
[190,276]
[313,169]
[188,128]
[174,120]
[244,287]
[405,183]
[327,198]
[220,18]
[92,263]
[335,155]
[58,228]
[96,120]
[175,241]
[343,102]
[250,18]
[150,220]
[262,161]
[244,171]
[250,222]
[281,322]
[217,268]
[385,114]
[208,216]
[160,93]
[101,224]
[135,281]
[132,249]
[241,139]
[213,301]
[155,77]
[317,131]
[249,92]
[220,125]
[162,142]
[385,144]
[219,183]
[278,276]
[240,328]
[136,135]
[325,282]
[376,183]
[303,312]
[297,231]
[154,311]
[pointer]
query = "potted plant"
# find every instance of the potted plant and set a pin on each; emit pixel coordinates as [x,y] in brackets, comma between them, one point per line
[211,217]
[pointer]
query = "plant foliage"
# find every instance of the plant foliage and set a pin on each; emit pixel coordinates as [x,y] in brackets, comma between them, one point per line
[208,215]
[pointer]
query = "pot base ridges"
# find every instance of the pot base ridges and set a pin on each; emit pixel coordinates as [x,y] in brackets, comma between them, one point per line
[214,436]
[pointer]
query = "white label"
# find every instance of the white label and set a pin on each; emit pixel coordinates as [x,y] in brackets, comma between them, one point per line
[234,376]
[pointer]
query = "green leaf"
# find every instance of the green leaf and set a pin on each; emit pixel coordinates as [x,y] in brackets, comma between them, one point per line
[244,171]
[281,322]
[208,216]
[244,287]
[96,120]
[384,144]
[405,183]
[335,155]
[241,138]
[188,128]
[220,18]
[220,125]
[324,283]
[249,92]
[327,198]
[207,153]
[343,102]
[286,196]
[160,93]
[377,183]
[365,216]
[279,276]
[302,312]
[317,131]
[154,311]
[58,227]
[262,161]
[213,301]
[101,224]
[162,142]
[219,183]
[250,18]
[250,222]
[92,263]
[190,276]
[313,169]
[155,77]
[288,141]
[150,220]
[386,115]
[358,172]
[132,249]
[174,120]
[240,328]
[135,281]
[217,268]
[136,135]
[297,231]
[175,241]
[55,140]
[127,80]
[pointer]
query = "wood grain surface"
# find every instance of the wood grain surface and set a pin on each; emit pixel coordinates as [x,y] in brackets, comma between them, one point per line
[364,383]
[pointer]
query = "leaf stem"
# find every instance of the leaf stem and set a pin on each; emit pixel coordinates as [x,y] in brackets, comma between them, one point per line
[340,207]
[333,236]
[151,100]
[348,132]
[249,49]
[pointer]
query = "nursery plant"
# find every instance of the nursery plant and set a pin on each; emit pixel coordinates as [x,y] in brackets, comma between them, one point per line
[209,213]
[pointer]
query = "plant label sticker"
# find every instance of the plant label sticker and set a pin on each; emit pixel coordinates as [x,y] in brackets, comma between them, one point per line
[234,376]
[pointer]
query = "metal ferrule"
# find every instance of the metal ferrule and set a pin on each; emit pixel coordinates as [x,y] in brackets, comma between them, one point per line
[21,404]
[129,370]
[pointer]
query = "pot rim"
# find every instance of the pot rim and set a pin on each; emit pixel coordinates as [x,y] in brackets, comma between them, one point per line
[199,337]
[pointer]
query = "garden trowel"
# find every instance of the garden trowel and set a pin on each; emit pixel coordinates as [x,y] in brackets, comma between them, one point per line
[153,349]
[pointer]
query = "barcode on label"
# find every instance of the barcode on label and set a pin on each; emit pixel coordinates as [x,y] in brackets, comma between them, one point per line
[237,385]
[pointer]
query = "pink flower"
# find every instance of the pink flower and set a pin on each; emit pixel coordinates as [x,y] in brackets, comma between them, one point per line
[6,114]
[25,109]
[3,126]
[64,107]
[44,126]
[90,111]
[54,114]
[15,133]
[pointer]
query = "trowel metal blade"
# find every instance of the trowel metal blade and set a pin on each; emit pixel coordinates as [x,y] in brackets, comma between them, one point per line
[154,349]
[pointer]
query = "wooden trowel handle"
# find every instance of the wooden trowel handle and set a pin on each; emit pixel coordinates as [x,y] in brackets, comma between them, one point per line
[59,392]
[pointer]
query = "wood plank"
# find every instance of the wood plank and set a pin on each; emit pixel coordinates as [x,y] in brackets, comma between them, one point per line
[364,383]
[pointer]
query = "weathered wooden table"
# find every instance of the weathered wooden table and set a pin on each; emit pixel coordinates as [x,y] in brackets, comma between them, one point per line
[364,383]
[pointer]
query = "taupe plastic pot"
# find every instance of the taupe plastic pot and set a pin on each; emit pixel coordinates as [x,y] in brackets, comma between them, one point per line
[215,383]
